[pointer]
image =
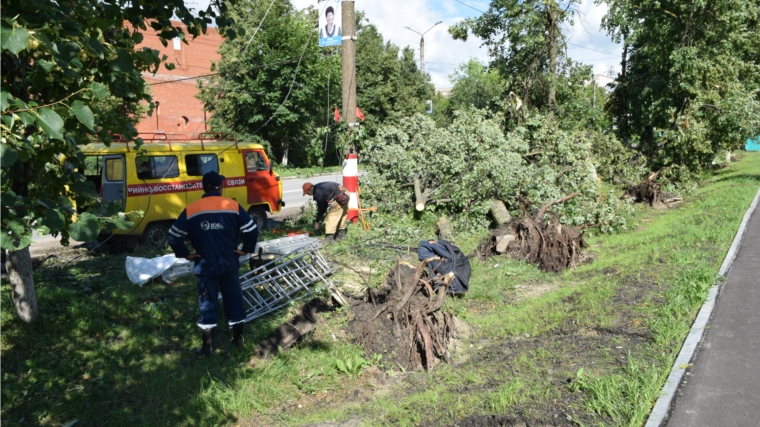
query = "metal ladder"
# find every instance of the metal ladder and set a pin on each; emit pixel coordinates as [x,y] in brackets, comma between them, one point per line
[293,269]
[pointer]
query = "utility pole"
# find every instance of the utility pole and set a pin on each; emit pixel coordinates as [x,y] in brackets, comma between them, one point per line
[422,45]
[348,86]
[348,48]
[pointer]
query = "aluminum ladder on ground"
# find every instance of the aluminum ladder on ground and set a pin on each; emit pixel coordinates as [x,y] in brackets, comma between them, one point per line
[290,269]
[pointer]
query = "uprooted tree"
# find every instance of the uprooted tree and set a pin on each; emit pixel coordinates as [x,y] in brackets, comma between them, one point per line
[405,319]
[461,170]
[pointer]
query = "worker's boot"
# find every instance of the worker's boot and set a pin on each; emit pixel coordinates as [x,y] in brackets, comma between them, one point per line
[341,235]
[207,337]
[237,335]
[329,239]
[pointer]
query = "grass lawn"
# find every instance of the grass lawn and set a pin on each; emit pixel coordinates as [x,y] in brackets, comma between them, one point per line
[590,347]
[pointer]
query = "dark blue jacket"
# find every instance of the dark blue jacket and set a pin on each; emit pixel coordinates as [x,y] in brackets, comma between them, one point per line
[213,224]
[324,192]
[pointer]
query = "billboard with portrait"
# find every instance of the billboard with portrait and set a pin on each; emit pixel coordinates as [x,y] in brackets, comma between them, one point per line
[330,23]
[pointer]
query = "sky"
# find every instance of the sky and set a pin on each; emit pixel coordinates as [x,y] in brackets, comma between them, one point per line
[586,42]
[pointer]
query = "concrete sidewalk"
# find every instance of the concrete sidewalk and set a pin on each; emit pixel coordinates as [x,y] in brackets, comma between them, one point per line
[723,386]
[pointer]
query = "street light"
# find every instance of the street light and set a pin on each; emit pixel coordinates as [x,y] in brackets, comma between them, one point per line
[422,45]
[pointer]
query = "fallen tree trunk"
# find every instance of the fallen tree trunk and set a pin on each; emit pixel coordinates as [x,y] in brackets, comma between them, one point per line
[499,212]
[420,197]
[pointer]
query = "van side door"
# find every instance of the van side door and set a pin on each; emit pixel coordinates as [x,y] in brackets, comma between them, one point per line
[196,165]
[262,186]
[114,184]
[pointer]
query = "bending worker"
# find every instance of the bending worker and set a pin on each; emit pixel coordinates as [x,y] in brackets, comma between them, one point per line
[336,196]
[213,225]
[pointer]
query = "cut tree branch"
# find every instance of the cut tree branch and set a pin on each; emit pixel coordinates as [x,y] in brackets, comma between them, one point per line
[543,209]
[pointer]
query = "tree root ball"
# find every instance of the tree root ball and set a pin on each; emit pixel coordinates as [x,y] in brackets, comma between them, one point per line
[552,246]
[405,319]
[650,193]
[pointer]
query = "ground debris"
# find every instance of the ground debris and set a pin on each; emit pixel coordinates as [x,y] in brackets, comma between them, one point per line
[650,192]
[551,245]
[292,331]
[405,319]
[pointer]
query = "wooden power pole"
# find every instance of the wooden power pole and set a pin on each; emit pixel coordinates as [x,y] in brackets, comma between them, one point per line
[349,62]
[351,163]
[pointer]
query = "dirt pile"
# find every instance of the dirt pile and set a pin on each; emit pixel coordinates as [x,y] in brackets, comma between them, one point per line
[403,319]
[551,245]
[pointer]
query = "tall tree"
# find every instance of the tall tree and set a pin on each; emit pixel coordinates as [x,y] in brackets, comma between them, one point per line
[690,80]
[475,85]
[525,40]
[70,72]
[389,84]
[273,89]
[282,90]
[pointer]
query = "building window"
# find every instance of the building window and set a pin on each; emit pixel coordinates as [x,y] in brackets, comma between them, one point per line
[157,167]
[254,161]
[200,164]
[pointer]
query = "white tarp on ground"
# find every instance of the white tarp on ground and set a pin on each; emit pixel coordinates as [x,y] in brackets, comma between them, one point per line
[141,270]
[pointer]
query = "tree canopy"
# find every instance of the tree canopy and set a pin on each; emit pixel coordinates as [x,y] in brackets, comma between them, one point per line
[70,73]
[283,89]
[690,79]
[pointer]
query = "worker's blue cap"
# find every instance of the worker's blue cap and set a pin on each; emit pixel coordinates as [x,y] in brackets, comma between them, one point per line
[213,179]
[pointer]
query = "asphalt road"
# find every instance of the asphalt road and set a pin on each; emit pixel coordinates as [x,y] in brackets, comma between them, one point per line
[292,193]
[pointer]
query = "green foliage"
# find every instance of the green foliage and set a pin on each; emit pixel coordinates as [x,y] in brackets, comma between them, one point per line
[352,366]
[526,43]
[282,90]
[70,72]
[690,79]
[462,167]
[475,85]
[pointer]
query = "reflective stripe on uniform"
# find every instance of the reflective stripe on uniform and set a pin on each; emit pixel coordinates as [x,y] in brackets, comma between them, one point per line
[177,232]
[214,204]
[248,227]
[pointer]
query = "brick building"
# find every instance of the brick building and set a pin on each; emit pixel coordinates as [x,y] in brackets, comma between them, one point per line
[177,109]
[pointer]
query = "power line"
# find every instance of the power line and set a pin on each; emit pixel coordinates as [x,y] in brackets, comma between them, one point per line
[180,80]
[595,50]
[471,7]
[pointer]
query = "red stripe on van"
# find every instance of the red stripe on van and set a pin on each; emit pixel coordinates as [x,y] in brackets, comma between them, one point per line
[136,190]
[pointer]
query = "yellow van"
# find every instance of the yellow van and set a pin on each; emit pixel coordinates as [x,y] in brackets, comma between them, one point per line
[168,176]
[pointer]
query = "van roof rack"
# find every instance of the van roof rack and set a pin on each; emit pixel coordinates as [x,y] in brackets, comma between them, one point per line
[217,136]
[203,137]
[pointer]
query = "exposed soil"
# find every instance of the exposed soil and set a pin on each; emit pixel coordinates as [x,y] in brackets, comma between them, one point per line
[292,331]
[505,421]
[551,245]
[403,319]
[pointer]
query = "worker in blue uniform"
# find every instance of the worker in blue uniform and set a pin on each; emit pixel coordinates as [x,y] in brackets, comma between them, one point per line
[214,225]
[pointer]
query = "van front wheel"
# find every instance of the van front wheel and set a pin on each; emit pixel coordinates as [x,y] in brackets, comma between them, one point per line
[259,216]
[156,235]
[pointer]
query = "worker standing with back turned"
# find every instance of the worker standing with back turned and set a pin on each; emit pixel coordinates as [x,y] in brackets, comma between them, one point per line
[335,196]
[213,224]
